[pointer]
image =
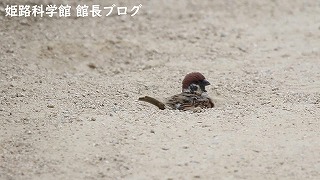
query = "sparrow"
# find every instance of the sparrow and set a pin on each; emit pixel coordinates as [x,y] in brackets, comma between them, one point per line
[193,95]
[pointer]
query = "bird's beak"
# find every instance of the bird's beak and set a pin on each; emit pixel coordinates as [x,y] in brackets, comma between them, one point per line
[205,82]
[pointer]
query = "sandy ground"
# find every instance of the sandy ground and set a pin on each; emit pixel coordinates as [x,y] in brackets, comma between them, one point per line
[69,90]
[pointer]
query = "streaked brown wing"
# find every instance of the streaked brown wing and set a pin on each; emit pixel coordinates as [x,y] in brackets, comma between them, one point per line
[188,101]
[179,100]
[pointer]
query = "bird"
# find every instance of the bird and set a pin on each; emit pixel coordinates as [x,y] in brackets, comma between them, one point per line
[193,96]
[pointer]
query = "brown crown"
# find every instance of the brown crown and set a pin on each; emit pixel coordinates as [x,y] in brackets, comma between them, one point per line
[190,78]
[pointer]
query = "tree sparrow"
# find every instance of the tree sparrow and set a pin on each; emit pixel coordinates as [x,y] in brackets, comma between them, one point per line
[194,95]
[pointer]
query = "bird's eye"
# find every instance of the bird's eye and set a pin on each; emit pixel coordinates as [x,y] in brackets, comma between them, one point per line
[193,88]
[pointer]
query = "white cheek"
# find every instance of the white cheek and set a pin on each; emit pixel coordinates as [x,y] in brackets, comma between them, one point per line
[177,105]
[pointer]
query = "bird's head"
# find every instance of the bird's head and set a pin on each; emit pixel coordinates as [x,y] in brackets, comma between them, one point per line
[194,82]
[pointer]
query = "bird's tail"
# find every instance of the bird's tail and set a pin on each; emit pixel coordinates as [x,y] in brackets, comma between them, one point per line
[153,101]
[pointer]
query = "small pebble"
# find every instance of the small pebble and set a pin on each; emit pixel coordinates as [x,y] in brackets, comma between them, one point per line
[223,35]
[50,106]
[92,66]
[49,48]
[9,51]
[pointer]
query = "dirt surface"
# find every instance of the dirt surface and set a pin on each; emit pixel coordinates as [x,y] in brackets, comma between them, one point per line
[69,90]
